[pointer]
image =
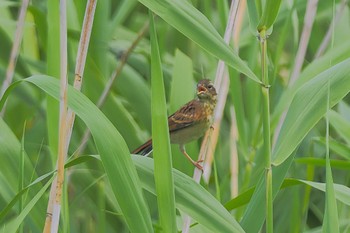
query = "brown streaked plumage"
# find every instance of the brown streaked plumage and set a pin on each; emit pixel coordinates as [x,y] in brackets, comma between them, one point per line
[190,122]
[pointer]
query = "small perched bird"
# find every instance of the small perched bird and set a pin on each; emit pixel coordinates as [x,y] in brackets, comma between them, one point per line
[190,122]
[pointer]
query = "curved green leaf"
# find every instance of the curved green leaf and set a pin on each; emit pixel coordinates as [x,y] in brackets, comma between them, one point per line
[14,225]
[191,198]
[193,24]
[342,193]
[113,151]
[308,106]
[269,14]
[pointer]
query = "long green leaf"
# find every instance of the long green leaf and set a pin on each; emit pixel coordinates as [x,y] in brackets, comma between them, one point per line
[53,69]
[18,196]
[330,218]
[254,215]
[161,141]
[10,149]
[194,25]
[14,225]
[113,151]
[336,55]
[191,198]
[340,124]
[335,164]
[342,192]
[269,14]
[337,147]
[253,17]
[308,107]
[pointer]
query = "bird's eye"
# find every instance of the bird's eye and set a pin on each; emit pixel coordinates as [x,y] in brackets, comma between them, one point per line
[210,86]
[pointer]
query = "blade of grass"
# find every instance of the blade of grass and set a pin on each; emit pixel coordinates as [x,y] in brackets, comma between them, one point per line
[19,195]
[15,50]
[337,55]
[253,16]
[337,147]
[340,124]
[53,69]
[269,15]
[255,213]
[21,175]
[111,81]
[161,142]
[306,108]
[327,38]
[191,198]
[309,19]
[193,24]
[14,225]
[335,164]
[342,192]
[113,150]
[330,218]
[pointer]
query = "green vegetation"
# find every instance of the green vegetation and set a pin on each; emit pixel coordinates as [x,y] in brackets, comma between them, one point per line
[277,158]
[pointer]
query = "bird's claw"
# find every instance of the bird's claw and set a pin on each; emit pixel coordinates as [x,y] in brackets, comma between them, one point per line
[197,164]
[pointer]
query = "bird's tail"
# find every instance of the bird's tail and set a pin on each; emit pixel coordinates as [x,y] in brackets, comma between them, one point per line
[144,149]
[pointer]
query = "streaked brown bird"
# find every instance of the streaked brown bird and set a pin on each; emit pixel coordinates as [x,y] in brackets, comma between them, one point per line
[190,122]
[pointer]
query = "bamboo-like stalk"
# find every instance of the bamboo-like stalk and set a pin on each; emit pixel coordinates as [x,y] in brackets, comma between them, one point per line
[266,131]
[79,71]
[222,82]
[112,79]
[310,14]
[234,154]
[81,59]
[14,51]
[234,128]
[51,224]
[238,24]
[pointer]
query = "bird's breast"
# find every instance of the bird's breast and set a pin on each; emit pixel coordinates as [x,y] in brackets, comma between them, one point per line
[202,121]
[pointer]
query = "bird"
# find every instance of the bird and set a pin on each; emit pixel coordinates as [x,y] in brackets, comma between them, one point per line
[190,122]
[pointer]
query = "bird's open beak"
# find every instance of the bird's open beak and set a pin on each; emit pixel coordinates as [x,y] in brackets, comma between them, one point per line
[201,89]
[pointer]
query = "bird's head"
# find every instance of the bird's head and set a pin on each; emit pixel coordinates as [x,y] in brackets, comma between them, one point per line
[206,90]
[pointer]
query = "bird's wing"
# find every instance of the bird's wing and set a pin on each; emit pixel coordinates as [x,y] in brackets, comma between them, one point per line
[184,117]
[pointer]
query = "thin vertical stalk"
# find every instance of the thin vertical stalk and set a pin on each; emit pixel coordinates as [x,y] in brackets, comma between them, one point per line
[234,165]
[81,59]
[234,154]
[14,51]
[63,116]
[79,70]
[21,176]
[266,131]
[222,83]
[56,208]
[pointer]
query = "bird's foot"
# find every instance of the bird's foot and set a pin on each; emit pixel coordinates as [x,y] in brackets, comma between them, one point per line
[198,165]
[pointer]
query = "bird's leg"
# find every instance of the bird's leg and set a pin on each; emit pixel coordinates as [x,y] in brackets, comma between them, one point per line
[195,163]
